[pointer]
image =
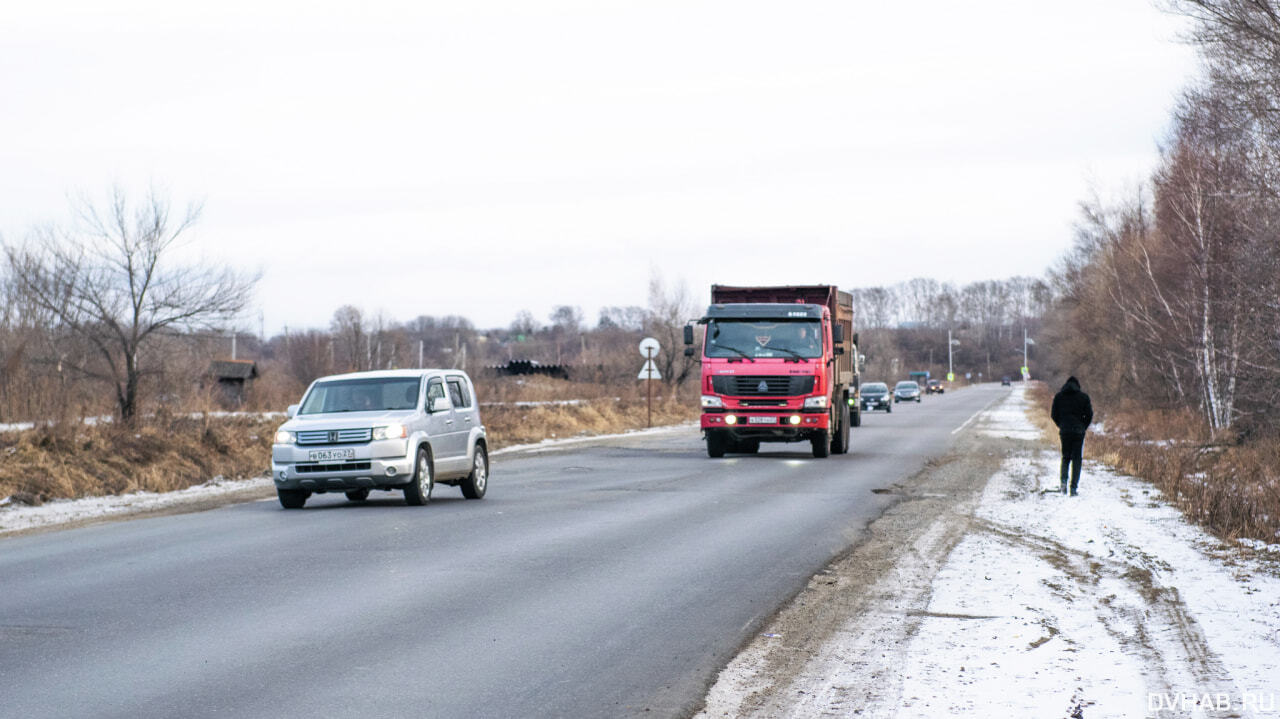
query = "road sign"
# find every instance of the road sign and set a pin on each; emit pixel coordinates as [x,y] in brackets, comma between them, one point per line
[951,376]
[649,347]
[649,371]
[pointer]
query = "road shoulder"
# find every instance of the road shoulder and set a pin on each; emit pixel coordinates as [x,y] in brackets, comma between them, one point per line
[985,592]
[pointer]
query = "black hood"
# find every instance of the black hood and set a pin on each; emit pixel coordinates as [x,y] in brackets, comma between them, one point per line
[1072,385]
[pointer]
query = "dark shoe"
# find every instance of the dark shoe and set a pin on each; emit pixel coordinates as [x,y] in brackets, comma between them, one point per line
[1073,493]
[1064,486]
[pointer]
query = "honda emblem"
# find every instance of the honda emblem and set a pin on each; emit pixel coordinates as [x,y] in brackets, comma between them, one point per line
[333,436]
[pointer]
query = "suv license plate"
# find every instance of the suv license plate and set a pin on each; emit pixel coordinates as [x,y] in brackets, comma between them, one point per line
[321,455]
[762,420]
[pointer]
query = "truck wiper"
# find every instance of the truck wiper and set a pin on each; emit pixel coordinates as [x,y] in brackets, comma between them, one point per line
[793,353]
[735,349]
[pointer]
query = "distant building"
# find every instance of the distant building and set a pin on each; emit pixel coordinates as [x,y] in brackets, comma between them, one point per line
[234,380]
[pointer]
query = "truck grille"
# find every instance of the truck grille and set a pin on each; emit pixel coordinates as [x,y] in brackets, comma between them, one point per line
[335,436]
[762,385]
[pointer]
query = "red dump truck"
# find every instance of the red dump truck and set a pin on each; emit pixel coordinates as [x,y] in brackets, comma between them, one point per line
[779,364]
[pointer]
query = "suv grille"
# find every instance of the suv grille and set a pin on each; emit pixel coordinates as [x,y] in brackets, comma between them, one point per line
[347,467]
[335,436]
[762,385]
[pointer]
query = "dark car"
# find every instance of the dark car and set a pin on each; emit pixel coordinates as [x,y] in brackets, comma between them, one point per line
[875,395]
[934,387]
[906,391]
[1005,381]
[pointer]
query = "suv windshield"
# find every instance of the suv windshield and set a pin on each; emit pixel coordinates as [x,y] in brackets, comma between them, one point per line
[761,339]
[362,395]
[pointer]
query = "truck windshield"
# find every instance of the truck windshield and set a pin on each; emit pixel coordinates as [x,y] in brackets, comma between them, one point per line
[362,395]
[763,339]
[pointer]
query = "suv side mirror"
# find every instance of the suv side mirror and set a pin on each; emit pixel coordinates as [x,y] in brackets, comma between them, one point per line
[440,404]
[292,411]
[688,337]
[837,335]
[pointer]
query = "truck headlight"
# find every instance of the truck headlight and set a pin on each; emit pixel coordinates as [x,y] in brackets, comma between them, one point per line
[818,402]
[710,400]
[391,431]
[285,437]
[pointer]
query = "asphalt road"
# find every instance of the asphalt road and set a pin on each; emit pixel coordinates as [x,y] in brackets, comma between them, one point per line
[606,580]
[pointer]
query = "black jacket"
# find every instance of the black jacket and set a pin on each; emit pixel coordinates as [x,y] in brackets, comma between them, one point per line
[1072,410]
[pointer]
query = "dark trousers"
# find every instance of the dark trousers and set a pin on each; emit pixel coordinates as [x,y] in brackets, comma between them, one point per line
[1072,454]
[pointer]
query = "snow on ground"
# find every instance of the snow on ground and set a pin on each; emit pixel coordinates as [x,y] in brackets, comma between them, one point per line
[16,517]
[1108,604]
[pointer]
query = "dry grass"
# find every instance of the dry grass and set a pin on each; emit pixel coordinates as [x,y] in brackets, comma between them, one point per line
[70,459]
[508,425]
[1230,488]
[74,460]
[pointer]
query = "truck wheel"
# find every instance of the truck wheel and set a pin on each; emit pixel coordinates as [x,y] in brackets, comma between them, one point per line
[358,495]
[292,498]
[840,437]
[716,444]
[418,491]
[821,444]
[856,414]
[474,485]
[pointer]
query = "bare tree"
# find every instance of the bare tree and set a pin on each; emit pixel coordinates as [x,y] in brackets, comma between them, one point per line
[109,282]
[670,308]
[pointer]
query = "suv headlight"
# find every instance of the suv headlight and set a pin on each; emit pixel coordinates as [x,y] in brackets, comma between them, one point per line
[710,400]
[391,431]
[285,437]
[818,402]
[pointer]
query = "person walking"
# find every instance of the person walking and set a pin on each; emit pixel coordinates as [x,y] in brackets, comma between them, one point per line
[1073,413]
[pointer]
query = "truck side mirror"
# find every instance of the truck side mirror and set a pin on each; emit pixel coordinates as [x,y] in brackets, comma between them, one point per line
[855,339]
[837,336]
[688,351]
[688,339]
[292,411]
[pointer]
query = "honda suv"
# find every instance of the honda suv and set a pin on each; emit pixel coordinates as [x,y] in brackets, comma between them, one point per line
[395,430]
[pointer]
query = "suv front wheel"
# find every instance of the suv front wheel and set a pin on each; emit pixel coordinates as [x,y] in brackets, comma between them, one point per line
[418,492]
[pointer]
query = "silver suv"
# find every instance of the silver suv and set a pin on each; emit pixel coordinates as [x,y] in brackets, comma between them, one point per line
[393,430]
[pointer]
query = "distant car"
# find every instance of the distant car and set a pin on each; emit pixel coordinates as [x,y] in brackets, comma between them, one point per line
[905,391]
[934,387]
[404,430]
[1005,381]
[875,395]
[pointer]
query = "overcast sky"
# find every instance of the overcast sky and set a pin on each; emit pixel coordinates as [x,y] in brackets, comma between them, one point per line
[480,157]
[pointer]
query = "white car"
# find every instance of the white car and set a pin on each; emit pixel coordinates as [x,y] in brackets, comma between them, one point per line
[906,391]
[403,430]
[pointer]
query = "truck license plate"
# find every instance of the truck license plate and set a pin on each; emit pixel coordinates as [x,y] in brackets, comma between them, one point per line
[324,455]
[762,420]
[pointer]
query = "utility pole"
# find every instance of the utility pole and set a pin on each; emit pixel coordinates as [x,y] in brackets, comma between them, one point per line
[948,353]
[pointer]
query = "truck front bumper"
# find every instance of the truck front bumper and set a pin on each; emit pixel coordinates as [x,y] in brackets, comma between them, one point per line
[781,426]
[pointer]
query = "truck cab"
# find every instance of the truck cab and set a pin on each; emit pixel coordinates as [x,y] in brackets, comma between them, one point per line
[777,371]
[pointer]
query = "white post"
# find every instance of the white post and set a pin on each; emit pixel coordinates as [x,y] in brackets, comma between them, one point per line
[421,346]
[649,385]
[1024,346]
[233,345]
[948,353]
